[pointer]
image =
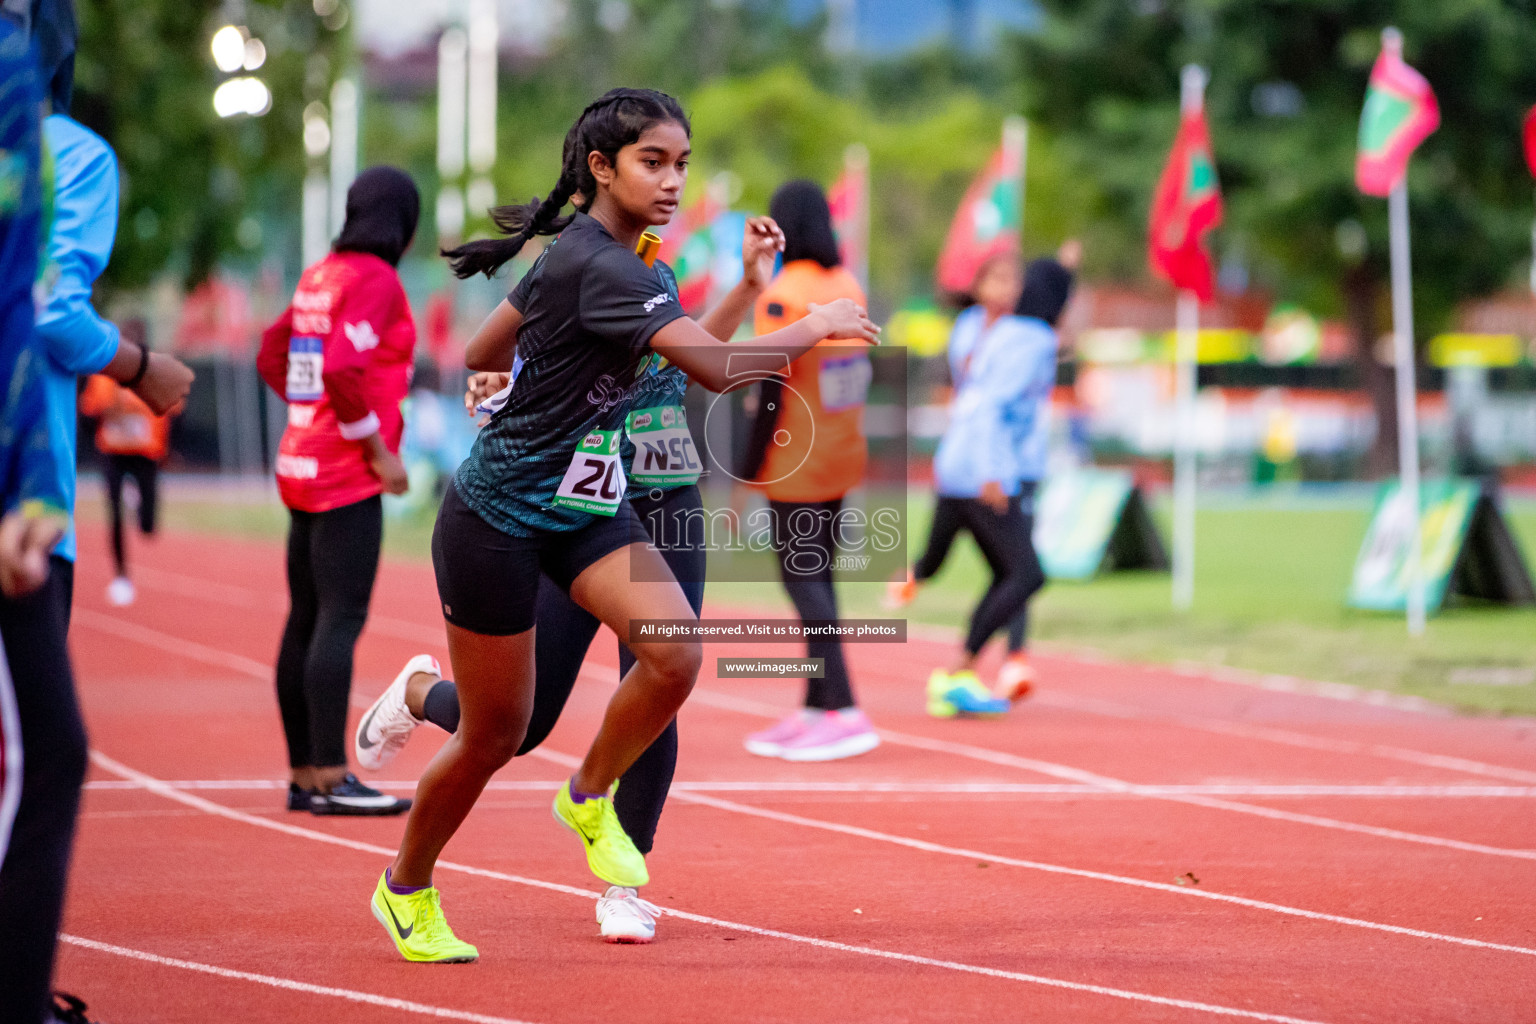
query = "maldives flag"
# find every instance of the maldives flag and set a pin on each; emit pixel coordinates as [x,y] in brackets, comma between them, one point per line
[1400,112]
[848,199]
[1185,207]
[687,246]
[1530,140]
[987,222]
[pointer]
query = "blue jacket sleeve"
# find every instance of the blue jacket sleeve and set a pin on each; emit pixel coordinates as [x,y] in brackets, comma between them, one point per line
[79,341]
[28,473]
[1002,387]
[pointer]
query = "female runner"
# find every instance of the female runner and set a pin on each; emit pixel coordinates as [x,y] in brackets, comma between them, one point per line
[543,491]
[662,467]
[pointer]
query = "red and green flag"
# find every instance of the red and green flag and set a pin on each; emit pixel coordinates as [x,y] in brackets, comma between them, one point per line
[1530,140]
[1400,112]
[848,200]
[1185,207]
[988,221]
[688,247]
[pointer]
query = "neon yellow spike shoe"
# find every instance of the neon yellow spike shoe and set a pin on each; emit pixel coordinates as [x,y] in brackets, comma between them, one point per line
[961,693]
[611,854]
[416,926]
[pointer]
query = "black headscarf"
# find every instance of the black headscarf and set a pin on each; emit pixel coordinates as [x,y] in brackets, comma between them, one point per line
[800,208]
[1047,286]
[382,209]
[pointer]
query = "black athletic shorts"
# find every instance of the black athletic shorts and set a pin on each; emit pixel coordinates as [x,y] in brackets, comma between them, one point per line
[488,581]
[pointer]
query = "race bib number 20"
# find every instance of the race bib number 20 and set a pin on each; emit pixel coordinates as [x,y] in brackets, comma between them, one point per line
[594,481]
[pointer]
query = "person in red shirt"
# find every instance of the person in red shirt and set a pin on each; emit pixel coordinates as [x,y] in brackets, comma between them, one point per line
[341,355]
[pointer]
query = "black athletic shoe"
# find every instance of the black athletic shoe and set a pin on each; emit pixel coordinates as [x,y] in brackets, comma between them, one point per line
[68,1009]
[298,797]
[352,797]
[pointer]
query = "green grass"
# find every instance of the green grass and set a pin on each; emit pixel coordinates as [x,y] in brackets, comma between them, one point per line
[1269,597]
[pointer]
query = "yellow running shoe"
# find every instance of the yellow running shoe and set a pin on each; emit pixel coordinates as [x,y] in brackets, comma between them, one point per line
[416,926]
[610,853]
[961,693]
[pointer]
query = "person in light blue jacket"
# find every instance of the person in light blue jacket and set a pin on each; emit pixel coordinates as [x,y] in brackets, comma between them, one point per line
[997,360]
[77,339]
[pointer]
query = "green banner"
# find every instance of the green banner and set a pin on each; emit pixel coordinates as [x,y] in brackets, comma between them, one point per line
[1381,571]
[1091,519]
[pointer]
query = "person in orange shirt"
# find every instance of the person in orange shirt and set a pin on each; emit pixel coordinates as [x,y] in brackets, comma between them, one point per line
[134,441]
[806,452]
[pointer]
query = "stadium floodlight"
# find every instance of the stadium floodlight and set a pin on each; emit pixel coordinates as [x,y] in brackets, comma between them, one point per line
[317,132]
[244,95]
[255,54]
[228,48]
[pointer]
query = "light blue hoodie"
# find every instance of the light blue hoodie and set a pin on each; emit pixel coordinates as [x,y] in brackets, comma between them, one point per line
[77,339]
[1003,378]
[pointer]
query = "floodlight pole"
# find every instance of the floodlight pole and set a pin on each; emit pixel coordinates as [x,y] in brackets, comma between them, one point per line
[1186,361]
[1407,398]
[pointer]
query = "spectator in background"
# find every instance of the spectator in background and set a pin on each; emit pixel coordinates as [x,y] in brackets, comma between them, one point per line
[132,441]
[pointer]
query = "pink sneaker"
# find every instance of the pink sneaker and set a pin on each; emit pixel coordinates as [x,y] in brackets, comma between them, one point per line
[839,734]
[770,741]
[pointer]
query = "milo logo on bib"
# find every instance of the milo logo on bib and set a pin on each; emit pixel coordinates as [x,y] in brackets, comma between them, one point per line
[664,451]
[594,481]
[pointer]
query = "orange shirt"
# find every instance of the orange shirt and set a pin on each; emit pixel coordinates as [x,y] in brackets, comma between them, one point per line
[818,451]
[128,427]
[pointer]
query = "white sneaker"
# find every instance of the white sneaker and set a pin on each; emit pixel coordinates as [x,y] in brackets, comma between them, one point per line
[120,592]
[383,731]
[624,917]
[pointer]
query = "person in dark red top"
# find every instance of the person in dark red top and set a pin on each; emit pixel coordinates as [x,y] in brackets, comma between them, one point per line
[341,356]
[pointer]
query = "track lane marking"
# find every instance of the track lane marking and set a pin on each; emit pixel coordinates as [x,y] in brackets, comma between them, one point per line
[404,629]
[368,998]
[874,787]
[1055,869]
[154,785]
[249,666]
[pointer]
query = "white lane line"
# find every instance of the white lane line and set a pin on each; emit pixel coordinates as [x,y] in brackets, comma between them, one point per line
[192,649]
[403,629]
[1057,869]
[385,1002]
[1287,737]
[125,630]
[156,786]
[1114,785]
[247,597]
[956,788]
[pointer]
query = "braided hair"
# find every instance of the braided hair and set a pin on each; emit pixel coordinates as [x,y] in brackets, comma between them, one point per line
[614,120]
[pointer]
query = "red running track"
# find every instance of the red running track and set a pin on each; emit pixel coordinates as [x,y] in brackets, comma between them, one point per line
[1137,844]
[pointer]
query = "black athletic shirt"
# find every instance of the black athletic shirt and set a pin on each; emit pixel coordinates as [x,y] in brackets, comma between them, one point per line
[590,308]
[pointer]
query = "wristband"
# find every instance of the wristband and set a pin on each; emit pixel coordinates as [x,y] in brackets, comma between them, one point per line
[138,376]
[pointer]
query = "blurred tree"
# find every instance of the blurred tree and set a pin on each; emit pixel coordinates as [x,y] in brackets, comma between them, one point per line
[1287,84]
[192,183]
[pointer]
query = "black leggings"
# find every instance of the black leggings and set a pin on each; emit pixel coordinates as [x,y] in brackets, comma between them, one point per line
[145,472]
[1018,626]
[34,867]
[333,558]
[1016,573]
[565,631]
[802,538]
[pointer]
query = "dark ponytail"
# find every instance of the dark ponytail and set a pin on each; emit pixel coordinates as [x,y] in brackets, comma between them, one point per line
[616,119]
